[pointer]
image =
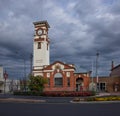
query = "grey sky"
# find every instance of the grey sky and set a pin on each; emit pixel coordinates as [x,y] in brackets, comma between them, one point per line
[78,29]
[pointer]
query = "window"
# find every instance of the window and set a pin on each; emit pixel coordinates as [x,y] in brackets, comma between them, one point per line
[47,46]
[101,86]
[68,74]
[48,74]
[58,79]
[48,81]
[68,82]
[39,45]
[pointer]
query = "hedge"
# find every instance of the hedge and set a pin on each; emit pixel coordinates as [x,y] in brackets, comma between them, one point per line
[55,93]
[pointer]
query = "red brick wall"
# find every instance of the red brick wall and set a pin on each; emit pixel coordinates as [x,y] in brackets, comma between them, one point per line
[65,86]
[115,72]
[110,82]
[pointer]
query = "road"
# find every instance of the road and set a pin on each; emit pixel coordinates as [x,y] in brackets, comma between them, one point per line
[59,109]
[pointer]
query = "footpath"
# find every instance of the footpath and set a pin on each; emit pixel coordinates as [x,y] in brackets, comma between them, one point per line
[21,100]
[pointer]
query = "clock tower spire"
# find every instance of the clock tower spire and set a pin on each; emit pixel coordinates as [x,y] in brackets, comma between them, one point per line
[40,46]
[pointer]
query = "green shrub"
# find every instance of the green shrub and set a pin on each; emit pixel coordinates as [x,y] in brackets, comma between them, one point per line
[28,93]
[90,99]
[36,83]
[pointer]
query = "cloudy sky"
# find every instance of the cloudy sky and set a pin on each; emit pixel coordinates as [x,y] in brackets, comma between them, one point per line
[79,28]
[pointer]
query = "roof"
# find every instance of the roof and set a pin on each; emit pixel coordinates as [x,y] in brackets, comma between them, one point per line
[67,66]
[42,22]
[115,67]
[83,72]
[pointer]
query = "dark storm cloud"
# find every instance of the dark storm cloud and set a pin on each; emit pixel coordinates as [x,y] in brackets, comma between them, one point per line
[115,7]
[97,29]
[86,7]
[78,30]
[15,36]
[104,25]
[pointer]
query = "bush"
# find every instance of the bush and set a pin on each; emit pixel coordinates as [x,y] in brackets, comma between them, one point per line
[28,93]
[108,98]
[67,94]
[90,99]
[36,83]
[55,93]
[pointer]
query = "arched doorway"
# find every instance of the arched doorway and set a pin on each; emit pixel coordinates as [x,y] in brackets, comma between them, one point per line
[79,84]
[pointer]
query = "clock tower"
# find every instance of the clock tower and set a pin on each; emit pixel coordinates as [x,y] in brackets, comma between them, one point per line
[40,47]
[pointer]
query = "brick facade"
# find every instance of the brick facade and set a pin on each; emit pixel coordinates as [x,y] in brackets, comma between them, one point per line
[69,77]
[112,82]
[61,76]
[115,71]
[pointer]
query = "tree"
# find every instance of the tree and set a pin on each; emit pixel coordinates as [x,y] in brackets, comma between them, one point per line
[36,83]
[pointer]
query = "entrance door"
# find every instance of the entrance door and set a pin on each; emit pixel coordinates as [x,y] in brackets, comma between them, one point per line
[79,84]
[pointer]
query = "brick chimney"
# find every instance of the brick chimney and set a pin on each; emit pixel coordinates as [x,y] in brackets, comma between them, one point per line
[112,65]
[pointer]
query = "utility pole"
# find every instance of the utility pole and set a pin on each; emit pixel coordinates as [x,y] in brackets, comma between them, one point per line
[97,56]
[92,77]
[25,74]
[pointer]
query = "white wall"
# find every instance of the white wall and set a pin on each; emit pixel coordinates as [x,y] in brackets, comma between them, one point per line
[1,79]
[1,72]
[9,86]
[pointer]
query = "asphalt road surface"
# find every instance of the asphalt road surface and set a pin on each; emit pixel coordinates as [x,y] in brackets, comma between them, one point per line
[57,109]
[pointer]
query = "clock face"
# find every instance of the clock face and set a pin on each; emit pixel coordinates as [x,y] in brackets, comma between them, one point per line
[39,32]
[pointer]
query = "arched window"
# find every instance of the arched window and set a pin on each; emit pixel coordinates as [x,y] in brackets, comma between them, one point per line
[58,79]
